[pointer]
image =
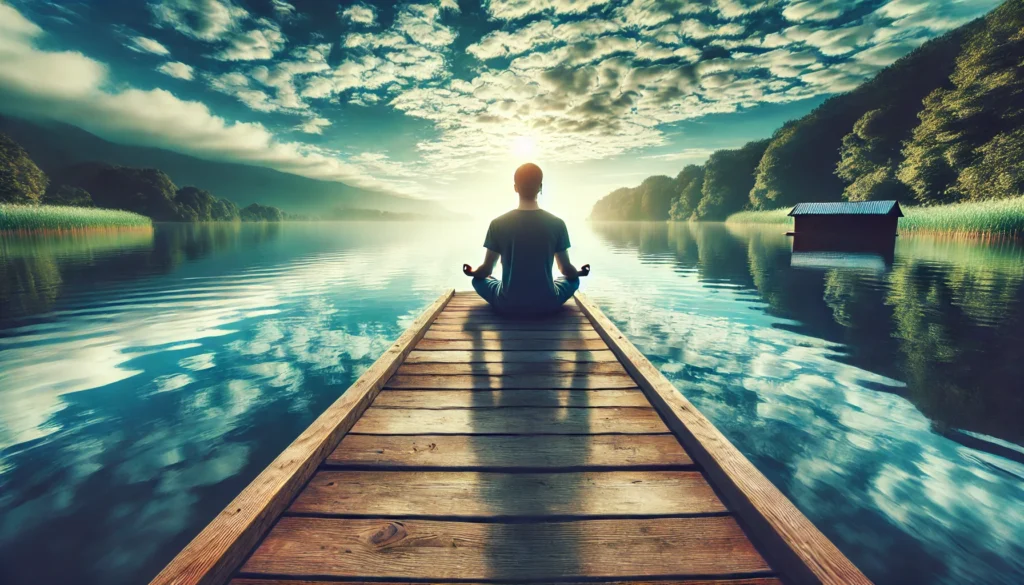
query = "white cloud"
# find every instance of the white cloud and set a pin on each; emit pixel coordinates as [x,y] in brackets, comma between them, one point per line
[359,13]
[176,69]
[515,9]
[147,45]
[283,9]
[258,44]
[205,20]
[313,125]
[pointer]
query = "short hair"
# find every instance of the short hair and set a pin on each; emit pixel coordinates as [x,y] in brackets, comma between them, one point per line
[528,180]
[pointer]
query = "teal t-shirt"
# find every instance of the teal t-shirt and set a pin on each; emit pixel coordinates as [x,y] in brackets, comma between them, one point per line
[527,241]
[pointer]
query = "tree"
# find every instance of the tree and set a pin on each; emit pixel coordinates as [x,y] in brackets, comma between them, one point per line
[656,195]
[869,158]
[149,192]
[963,127]
[224,210]
[194,204]
[728,178]
[621,204]
[21,181]
[257,212]
[689,183]
[67,195]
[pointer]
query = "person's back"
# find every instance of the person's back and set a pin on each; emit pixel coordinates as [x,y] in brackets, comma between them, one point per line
[528,240]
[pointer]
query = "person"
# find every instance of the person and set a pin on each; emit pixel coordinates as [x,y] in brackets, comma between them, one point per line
[527,240]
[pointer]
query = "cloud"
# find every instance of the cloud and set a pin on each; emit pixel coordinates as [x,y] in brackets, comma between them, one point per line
[71,87]
[258,44]
[176,69]
[515,9]
[147,45]
[314,125]
[205,20]
[283,9]
[359,13]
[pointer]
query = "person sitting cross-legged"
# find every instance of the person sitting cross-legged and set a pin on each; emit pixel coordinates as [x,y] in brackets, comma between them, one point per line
[527,240]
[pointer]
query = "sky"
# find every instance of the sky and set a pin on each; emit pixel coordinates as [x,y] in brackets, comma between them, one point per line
[442,99]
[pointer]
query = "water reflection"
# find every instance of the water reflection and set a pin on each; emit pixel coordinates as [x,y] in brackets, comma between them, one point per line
[842,384]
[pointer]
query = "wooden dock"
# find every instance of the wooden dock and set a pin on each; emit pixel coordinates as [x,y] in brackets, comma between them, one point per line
[481,449]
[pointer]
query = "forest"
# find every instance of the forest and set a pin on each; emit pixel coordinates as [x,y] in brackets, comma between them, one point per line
[149,192]
[943,124]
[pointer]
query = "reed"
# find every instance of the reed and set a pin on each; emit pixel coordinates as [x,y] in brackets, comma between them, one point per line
[43,218]
[995,217]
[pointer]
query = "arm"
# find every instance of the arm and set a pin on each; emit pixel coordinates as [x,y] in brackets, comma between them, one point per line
[566,267]
[485,269]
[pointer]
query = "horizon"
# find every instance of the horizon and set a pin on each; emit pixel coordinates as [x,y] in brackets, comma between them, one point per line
[443,100]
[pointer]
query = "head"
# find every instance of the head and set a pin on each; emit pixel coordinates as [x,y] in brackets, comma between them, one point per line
[528,181]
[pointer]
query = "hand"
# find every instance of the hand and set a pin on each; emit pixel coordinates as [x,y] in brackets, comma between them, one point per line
[467,270]
[584,270]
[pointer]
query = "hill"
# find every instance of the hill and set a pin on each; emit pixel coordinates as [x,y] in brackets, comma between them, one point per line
[55,146]
[943,124]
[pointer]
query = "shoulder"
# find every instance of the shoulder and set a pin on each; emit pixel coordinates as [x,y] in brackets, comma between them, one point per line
[553,219]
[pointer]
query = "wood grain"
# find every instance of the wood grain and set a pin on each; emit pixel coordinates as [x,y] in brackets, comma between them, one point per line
[509,357]
[515,326]
[511,344]
[455,334]
[526,381]
[426,549]
[565,452]
[508,369]
[214,554]
[478,495]
[511,420]
[498,398]
[794,545]
[757,581]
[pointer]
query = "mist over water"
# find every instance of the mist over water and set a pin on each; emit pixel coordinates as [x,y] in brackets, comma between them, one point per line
[146,378]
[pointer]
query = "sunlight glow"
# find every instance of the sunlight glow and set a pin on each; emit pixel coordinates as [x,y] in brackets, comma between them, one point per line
[523,147]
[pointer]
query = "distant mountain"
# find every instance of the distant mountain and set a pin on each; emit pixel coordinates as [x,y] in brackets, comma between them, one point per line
[945,123]
[55,146]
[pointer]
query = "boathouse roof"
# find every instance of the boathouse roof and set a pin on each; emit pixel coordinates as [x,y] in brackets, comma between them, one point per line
[849,208]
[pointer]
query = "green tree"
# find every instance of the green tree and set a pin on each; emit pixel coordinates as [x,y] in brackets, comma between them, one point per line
[224,210]
[869,158]
[194,204]
[728,178]
[689,183]
[149,192]
[67,195]
[656,195]
[621,204]
[21,181]
[955,152]
[257,212]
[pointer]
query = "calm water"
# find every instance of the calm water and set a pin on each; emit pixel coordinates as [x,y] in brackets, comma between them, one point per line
[145,379]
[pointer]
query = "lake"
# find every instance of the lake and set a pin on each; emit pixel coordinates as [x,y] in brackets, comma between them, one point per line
[147,377]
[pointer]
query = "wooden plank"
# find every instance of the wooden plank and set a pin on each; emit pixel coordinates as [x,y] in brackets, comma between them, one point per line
[757,581]
[546,551]
[514,326]
[462,317]
[500,369]
[452,334]
[794,545]
[525,381]
[565,452]
[483,309]
[509,357]
[512,421]
[489,495]
[488,399]
[511,344]
[216,552]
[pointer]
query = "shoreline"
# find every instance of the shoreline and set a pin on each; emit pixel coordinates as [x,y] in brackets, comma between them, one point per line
[990,220]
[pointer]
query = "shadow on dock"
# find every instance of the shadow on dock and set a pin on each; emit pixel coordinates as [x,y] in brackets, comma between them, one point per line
[521,499]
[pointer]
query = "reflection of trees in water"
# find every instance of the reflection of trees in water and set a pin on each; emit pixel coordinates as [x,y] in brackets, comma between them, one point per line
[960,331]
[947,319]
[34,270]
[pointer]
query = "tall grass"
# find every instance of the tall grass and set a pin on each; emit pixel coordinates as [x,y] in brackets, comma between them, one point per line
[33,218]
[996,217]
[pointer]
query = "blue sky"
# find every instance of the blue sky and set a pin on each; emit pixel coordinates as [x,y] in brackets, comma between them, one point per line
[442,99]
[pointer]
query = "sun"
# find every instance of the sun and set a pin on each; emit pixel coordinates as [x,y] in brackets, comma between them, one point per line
[523,147]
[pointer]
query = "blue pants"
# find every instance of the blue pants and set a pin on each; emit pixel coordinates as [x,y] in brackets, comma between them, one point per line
[490,290]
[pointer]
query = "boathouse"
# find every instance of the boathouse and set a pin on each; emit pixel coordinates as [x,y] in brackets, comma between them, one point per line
[872,219]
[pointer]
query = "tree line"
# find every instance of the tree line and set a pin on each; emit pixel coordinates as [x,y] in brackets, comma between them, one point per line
[148,192]
[943,124]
